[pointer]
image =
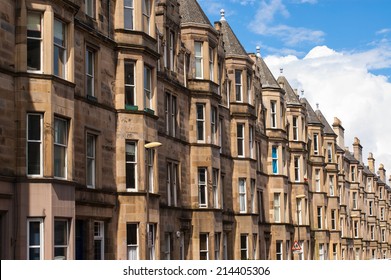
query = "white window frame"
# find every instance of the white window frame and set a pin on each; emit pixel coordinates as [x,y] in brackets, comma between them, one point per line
[151,241]
[275,160]
[34,141]
[296,161]
[146,8]
[133,143]
[249,95]
[148,89]
[255,242]
[99,236]
[273,114]
[150,168]
[130,85]
[129,14]
[242,195]
[383,235]
[321,251]
[319,215]
[215,188]
[244,249]
[333,214]
[198,55]
[354,200]
[89,8]
[329,152]
[353,173]
[240,139]
[211,64]
[171,114]
[299,211]
[90,71]
[238,86]
[213,124]
[172,183]
[31,26]
[355,229]
[200,120]
[217,245]
[252,195]
[251,141]
[331,185]
[66,245]
[167,245]
[59,145]
[370,206]
[204,250]
[279,250]
[317,180]
[132,247]
[382,213]
[62,50]
[202,187]
[316,143]
[295,127]
[91,160]
[40,246]
[277,207]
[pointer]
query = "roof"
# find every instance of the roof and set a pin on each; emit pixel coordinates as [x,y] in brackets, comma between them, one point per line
[192,12]
[267,78]
[290,96]
[327,128]
[232,44]
[311,116]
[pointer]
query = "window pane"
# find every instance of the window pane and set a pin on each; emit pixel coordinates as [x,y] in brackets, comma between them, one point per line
[60,131]
[34,254]
[90,145]
[131,234]
[59,37]
[128,14]
[60,233]
[59,161]
[34,233]
[34,127]
[34,158]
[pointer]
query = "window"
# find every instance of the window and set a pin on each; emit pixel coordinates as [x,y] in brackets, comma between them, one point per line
[369,184]
[146,16]
[341,226]
[355,228]
[128,14]
[132,241]
[204,246]
[202,187]
[321,251]
[240,139]
[34,41]
[90,160]
[34,144]
[317,180]
[200,122]
[34,239]
[354,197]
[172,183]
[273,114]
[130,96]
[372,232]
[299,211]
[251,141]
[167,245]
[182,246]
[221,122]
[60,147]
[90,72]
[274,160]
[217,245]
[90,8]
[260,206]
[295,129]
[382,216]
[277,215]
[59,56]
[370,206]
[249,96]
[215,187]
[238,85]
[150,154]
[151,241]
[99,240]
[319,215]
[329,152]
[255,242]
[131,165]
[243,246]
[242,195]
[252,196]
[171,48]
[331,185]
[259,155]
[61,239]
[211,64]
[297,168]
[171,114]
[316,143]
[353,173]
[279,250]
[225,246]
[333,219]
[335,252]
[213,124]
[147,87]
[380,192]
[198,60]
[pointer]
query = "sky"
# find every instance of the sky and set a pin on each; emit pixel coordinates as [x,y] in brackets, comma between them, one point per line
[337,53]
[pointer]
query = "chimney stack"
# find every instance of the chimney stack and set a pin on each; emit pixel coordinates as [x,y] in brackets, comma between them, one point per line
[357,149]
[382,172]
[340,131]
[371,163]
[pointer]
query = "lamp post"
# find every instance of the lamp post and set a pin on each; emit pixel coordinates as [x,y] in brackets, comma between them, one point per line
[149,146]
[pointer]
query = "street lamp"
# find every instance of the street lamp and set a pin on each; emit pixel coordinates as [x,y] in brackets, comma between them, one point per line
[149,146]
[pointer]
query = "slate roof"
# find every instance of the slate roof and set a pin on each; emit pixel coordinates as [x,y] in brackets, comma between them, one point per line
[311,116]
[232,44]
[267,78]
[290,96]
[192,12]
[327,128]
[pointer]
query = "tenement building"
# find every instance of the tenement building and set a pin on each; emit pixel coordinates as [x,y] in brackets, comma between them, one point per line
[137,129]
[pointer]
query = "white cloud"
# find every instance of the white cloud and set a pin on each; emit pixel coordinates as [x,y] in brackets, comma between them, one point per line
[263,24]
[345,88]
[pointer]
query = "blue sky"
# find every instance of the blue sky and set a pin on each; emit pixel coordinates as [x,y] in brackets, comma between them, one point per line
[337,51]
